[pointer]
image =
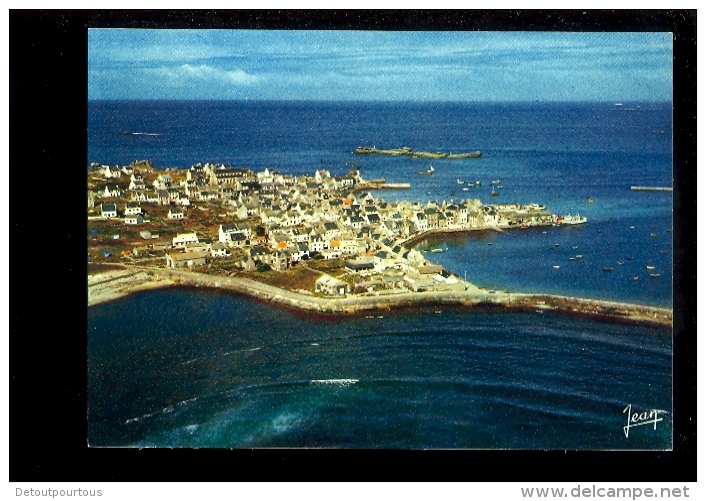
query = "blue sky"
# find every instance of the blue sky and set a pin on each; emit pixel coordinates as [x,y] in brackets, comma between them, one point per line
[371,66]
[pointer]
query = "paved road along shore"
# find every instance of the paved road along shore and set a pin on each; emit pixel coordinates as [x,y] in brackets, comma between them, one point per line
[106,287]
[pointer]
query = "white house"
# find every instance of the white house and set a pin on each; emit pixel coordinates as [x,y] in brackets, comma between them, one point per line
[219,250]
[111,172]
[331,286]
[163,182]
[137,219]
[112,191]
[175,214]
[109,211]
[184,238]
[132,209]
[137,184]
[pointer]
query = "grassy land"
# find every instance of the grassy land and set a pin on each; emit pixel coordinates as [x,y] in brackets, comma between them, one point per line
[292,279]
[96,268]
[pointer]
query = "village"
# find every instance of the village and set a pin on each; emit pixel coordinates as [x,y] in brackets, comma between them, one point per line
[319,235]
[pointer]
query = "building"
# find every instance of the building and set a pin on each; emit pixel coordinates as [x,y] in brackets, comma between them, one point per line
[109,211]
[331,286]
[219,250]
[135,219]
[175,214]
[112,191]
[182,239]
[359,265]
[185,259]
[133,209]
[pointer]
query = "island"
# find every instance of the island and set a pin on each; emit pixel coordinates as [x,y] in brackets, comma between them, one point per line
[405,151]
[319,243]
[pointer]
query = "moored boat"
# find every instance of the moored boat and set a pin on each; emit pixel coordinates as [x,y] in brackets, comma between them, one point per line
[607,268]
[569,219]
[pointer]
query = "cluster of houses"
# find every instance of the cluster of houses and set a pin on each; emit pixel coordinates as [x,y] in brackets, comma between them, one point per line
[320,216]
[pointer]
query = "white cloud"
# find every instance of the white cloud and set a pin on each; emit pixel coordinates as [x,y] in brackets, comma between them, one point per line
[204,73]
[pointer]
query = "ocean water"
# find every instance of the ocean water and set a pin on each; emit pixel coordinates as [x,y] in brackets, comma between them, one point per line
[193,368]
[189,368]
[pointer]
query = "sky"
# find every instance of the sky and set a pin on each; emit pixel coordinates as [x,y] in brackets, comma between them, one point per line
[378,65]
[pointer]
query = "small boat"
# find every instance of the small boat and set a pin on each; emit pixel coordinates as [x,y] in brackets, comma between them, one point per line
[590,200]
[494,193]
[571,219]
[477,184]
[632,227]
[572,259]
[380,316]
[369,316]
[619,263]
[650,267]
[556,245]
[490,243]
[544,233]
[579,256]
[607,268]
[437,312]
[629,258]
[575,247]
[437,250]
[653,235]
[654,275]
[636,278]
[459,181]
[465,188]
[496,181]
[427,172]
[556,266]
[663,252]
[499,186]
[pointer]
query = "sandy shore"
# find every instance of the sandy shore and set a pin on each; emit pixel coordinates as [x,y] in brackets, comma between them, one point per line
[115,284]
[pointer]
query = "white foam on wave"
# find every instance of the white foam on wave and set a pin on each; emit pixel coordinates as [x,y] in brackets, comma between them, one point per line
[140,418]
[339,382]
[243,351]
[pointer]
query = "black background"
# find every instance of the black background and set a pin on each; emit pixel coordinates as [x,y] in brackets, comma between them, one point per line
[48,150]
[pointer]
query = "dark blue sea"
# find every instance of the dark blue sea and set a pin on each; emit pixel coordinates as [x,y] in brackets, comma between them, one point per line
[193,368]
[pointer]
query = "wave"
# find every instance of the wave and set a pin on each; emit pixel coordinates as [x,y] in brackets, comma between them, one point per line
[340,382]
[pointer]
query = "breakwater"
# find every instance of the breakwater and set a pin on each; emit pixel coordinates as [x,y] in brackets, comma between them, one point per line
[651,188]
[472,297]
[366,150]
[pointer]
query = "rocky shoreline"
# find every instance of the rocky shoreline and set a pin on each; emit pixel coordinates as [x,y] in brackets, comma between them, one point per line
[107,287]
